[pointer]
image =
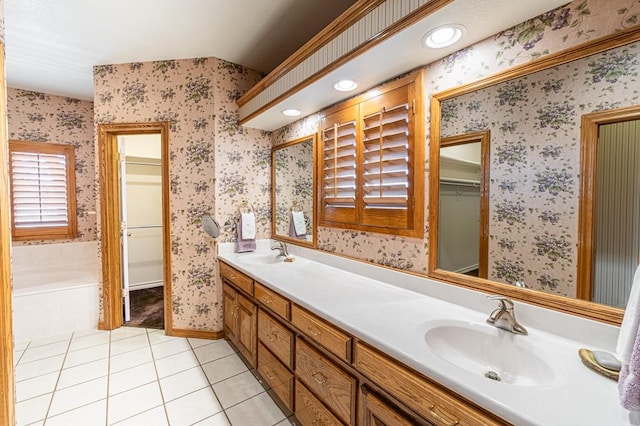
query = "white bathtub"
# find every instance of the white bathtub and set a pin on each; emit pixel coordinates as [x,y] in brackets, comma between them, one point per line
[55,290]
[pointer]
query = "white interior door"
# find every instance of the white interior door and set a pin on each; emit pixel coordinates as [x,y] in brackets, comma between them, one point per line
[124,231]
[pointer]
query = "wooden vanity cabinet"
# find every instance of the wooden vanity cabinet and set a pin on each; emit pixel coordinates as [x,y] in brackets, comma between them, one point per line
[241,322]
[376,412]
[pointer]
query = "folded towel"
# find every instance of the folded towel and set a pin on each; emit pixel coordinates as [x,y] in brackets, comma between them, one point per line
[630,322]
[248,221]
[629,380]
[628,350]
[299,224]
[244,244]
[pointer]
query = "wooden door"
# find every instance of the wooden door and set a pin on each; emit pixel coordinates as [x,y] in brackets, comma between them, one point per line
[247,328]
[229,309]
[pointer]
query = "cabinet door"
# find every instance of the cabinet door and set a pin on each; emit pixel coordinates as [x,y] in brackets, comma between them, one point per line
[247,328]
[229,309]
[375,412]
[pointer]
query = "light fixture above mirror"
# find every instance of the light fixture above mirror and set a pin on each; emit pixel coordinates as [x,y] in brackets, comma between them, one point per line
[443,36]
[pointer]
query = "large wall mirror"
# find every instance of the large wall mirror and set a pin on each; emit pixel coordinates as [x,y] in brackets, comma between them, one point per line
[549,212]
[293,191]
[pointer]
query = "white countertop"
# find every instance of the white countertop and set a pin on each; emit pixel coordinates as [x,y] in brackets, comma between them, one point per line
[392,313]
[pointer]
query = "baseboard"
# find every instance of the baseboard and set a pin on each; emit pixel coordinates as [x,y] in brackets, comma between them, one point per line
[196,334]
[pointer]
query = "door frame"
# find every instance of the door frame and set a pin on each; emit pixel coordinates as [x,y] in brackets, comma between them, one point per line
[110,219]
[587,205]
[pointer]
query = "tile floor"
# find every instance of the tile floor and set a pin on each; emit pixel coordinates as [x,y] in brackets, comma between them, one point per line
[137,376]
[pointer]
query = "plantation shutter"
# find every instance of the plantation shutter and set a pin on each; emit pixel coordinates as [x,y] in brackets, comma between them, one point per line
[338,175]
[387,173]
[41,189]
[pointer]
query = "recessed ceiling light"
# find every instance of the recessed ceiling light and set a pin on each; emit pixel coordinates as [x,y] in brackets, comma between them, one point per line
[292,112]
[345,85]
[443,36]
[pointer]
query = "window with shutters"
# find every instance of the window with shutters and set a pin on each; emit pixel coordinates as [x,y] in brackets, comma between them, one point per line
[372,161]
[43,196]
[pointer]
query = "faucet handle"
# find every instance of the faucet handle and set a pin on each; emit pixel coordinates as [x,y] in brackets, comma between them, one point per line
[505,302]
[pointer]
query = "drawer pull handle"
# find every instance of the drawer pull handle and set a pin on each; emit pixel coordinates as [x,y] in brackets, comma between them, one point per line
[273,336]
[314,331]
[270,375]
[267,300]
[319,377]
[434,412]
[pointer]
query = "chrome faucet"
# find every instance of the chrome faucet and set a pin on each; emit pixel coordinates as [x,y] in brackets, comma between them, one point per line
[503,317]
[282,248]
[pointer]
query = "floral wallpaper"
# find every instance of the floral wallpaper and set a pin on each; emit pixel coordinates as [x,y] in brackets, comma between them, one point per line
[38,117]
[560,29]
[214,163]
[535,160]
[294,185]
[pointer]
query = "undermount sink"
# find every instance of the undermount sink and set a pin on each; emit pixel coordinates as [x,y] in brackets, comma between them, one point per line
[491,352]
[269,259]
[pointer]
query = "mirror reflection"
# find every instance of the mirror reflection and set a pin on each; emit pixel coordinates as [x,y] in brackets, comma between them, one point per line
[533,193]
[293,190]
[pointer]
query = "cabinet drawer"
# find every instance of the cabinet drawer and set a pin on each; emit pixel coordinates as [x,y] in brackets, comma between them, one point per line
[332,386]
[273,301]
[276,375]
[236,277]
[334,340]
[430,400]
[310,411]
[276,337]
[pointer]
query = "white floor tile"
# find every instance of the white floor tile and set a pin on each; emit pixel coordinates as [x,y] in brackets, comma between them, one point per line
[155,416]
[89,340]
[88,415]
[171,347]
[219,419]
[223,368]
[28,370]
[285,422]
[129,344]
[132,378]
[158,336]
[40,352]
[32,410]
[237,389]
[16,357]
[20,346]
[193,407]
[90,331]
[183,383]
[176,363]
[126,332]
[134,401]
[36,386]
[196,343]
[130,359]
[83,373]
[79,395]
[213,351]
[49,340]
[82,356]
[257,411]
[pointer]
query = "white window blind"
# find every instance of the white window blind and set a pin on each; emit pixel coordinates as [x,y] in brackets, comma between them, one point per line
[386,158]
[339,171]
[42,190]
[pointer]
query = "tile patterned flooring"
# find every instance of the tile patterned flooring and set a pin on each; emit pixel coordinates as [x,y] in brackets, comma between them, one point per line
[137,376]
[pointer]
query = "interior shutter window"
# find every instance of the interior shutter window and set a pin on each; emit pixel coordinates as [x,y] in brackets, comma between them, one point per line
[386,158]
[340,165]
[42,190]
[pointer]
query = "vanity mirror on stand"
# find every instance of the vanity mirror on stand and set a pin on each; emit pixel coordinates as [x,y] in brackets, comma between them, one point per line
[534,180]
[293,191]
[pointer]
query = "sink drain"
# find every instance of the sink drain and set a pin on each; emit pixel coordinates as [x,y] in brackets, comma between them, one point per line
[492,375]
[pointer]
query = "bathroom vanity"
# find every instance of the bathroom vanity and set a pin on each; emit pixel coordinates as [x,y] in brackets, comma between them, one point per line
[344,342]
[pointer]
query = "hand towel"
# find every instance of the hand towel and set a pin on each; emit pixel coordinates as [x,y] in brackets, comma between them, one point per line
[248,221]
[299,224]
[244,244]
[628,350]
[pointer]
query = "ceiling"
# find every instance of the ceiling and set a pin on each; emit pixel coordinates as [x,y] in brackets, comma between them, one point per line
[51,46]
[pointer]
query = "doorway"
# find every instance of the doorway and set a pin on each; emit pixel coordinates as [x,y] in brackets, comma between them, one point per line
[135,217]
[609,244]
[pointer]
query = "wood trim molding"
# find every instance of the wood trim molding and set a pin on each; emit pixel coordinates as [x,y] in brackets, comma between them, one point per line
[110,219]
[286,238]
[588,162]
[196,334]
[577,307]
[319,40]
[7,380]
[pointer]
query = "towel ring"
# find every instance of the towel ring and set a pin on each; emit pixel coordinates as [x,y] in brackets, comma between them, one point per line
[295,207]
[246,207]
